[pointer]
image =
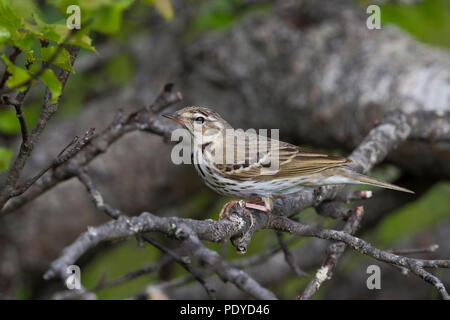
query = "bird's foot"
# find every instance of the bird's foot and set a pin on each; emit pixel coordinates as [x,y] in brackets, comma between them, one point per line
[224,212]
[245,205]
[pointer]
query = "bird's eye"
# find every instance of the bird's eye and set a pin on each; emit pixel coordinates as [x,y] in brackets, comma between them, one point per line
[200,120]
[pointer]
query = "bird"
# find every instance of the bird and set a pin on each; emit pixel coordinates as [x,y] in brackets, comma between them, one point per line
[257,169]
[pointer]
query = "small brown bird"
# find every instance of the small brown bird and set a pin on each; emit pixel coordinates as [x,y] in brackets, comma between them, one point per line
[259,168]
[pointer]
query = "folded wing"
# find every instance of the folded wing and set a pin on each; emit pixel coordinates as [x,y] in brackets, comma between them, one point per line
[285,161]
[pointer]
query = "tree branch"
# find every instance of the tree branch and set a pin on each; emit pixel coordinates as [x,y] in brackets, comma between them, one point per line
[335,250]
[116,214]
[144,119]
[219,231]
[28,143]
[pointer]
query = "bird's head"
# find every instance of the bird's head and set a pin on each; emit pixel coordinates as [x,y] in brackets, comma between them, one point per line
[202,123]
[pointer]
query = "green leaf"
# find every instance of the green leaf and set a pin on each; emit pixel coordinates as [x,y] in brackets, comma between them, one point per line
[164,8]
[12,20]
[8,17]
[83,41]
[4,35]
[8,122]
[62,59]
[57,32]
[108,19]
[52,32]
[29,55]
[25,8]
[18,75]
[5,158]
[24,42]
[50,80]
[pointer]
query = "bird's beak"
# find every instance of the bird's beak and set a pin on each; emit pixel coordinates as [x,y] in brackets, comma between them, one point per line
[173,116]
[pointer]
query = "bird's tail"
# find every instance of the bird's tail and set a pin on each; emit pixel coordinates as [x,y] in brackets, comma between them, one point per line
[363,179]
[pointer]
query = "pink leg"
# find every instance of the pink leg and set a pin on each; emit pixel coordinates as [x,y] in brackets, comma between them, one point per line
[257,207]
[267,207]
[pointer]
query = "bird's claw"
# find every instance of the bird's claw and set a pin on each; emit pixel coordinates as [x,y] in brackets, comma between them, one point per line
[224,212]
[245,205]
[226,208]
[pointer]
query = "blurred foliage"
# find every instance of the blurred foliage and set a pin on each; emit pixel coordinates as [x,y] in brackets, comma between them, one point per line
[116,261]
[164,7]
[428,21]
[220,14]
[5,158]
[430,210]
[119,69]
[8,120]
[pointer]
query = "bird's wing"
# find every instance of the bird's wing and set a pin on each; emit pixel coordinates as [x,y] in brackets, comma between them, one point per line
[266,164]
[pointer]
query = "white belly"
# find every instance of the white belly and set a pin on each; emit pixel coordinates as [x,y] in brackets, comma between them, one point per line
[244,189]
[263,188]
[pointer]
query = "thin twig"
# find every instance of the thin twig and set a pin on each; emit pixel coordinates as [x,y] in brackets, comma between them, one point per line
[289,257]
[184,263]
[17,103]
[259,258]
[72,149]
[336,250]
[145,270]
[428,249]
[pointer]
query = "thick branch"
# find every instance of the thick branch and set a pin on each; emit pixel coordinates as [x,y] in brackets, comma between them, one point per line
[218,231]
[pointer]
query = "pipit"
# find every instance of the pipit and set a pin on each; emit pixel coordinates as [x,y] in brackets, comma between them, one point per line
[256,168]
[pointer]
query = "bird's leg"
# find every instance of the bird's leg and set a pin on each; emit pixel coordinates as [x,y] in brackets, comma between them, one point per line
[267,207]
[256,207]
